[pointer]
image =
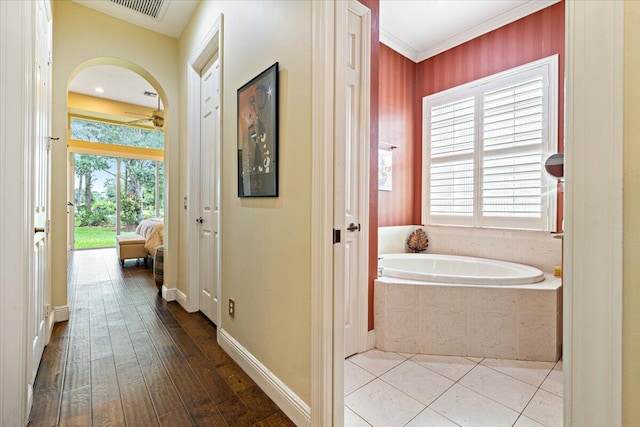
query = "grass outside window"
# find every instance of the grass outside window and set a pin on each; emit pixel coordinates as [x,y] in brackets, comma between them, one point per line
[96,237]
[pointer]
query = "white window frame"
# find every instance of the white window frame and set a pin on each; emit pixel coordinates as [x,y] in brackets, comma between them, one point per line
[548,67]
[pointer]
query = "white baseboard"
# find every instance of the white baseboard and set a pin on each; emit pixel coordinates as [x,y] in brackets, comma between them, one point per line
[169,294]
[61,314]
[181,297]
[294,407]
[49,322]
[371,340]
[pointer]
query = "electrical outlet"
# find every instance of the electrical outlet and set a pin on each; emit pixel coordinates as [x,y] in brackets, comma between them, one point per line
[47,310]
[232,308]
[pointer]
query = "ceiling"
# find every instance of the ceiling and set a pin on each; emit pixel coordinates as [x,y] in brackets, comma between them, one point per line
[118,84]
[172,17]
[420,29]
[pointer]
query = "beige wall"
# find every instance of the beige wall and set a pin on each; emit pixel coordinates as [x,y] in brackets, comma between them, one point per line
[79,35]
[266,255]
[631,307]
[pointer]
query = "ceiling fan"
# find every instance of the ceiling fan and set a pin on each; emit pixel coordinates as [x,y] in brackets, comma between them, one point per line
[156,118]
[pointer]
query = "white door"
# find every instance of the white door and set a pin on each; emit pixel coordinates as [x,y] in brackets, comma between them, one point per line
[40,187]
[356,179]
[209,243]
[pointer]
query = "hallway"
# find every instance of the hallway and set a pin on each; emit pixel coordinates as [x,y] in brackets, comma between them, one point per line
[128,358]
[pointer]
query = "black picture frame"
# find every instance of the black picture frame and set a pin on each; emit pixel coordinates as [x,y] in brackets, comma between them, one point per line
[258,135]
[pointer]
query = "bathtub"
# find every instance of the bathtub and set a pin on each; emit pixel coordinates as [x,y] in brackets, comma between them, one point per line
[458,306]
[457,269]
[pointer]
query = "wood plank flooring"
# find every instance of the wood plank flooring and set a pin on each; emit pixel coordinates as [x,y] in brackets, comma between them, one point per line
[126,357]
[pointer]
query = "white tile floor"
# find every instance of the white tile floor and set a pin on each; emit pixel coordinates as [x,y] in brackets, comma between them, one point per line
[385,389]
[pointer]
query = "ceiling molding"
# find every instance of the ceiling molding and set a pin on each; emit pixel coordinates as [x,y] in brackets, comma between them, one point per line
[486,27]
[398,45]
[501,20]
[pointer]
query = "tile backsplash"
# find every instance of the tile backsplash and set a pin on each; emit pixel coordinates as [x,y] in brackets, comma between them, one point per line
[535,248]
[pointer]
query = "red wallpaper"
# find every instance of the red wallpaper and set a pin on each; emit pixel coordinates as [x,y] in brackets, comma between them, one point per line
[531,38]
[397,121]
[374,6]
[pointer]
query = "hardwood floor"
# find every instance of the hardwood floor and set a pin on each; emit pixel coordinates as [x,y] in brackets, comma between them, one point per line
[126,357]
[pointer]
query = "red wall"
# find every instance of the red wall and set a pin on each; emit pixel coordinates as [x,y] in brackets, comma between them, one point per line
[526,40]
[374,6]
[397,127]
[531,38]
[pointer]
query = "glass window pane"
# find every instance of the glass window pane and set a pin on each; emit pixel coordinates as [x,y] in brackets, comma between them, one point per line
[108,133]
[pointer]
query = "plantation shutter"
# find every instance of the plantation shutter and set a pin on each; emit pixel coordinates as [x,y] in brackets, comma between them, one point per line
[452,146]
[512,140]
[484,145]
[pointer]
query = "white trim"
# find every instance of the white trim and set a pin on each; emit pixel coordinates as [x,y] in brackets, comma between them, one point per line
[391,41]
[593,203]
[50,322]
[322,55]
[16,217]
[290,403]
[170,294]
[494,23]
[210,45]
[61,313]
[180,297]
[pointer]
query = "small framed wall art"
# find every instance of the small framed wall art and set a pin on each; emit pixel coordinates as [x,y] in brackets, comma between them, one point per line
[258,135]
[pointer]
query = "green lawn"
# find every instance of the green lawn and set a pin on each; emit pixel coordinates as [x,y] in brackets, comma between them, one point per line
[95,237]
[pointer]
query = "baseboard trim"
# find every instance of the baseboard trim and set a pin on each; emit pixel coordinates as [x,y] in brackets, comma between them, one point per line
[61,313]
[294,407]
[181,297]
[169,294]
[50,322]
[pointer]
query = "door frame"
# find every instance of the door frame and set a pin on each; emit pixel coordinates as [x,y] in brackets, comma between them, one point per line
[210,45]
[592,321]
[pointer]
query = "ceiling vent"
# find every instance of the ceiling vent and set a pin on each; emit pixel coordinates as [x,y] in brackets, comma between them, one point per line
[146,7]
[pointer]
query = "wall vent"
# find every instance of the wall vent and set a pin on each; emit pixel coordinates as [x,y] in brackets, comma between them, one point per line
[146,7]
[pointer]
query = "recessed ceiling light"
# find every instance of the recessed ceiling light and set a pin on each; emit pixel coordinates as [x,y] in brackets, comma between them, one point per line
[99,90]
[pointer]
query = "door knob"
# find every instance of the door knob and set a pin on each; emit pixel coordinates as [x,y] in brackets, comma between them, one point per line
[199,220]
[353,227]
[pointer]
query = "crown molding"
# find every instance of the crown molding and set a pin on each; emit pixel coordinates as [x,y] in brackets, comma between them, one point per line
[398,45]
[501,20]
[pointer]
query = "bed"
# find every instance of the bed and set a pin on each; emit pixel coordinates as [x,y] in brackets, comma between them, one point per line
[152,230]
[148,237]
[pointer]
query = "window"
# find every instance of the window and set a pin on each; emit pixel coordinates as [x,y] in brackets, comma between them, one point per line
[484,147]
[109,133]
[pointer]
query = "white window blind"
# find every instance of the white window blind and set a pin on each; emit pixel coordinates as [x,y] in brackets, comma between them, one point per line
[484,144]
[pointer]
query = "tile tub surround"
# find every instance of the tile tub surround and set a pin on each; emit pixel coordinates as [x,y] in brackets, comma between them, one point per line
[504,322]
[535,248]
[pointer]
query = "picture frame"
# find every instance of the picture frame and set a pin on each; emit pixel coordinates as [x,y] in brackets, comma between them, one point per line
[258,135]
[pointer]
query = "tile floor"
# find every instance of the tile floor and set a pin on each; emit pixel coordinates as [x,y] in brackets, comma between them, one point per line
[385,389]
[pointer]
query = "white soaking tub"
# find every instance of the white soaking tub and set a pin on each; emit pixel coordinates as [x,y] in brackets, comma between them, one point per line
[457,269]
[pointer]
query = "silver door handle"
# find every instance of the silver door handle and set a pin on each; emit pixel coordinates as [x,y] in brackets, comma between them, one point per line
[353,227]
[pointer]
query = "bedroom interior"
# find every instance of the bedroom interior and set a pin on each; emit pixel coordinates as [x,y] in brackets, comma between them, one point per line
[116,148]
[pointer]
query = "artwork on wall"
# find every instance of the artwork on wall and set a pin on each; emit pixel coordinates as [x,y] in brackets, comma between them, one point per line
[258,135]
[385,168]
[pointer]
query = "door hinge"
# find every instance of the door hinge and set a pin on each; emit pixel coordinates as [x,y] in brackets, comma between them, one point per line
[336,236]
[47,226]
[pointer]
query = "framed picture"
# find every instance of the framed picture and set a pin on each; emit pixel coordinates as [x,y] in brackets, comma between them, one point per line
[258,135]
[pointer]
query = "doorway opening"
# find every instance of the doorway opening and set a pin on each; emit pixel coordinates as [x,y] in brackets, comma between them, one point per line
[116,155]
